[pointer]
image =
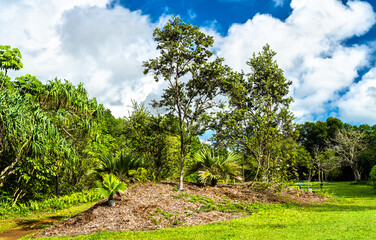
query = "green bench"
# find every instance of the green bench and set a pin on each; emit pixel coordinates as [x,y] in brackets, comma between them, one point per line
[311,185]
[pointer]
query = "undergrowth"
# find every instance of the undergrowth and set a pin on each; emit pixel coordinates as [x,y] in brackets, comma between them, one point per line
[52,204]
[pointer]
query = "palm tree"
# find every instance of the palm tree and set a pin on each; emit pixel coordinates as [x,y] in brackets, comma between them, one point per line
[119,166]
[109,187]
[212,168]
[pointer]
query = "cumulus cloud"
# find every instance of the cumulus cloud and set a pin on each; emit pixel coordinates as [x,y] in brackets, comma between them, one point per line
[358,105]
[83,41]
[310,49]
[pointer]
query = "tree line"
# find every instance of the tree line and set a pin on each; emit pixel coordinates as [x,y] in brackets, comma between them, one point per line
[54,139]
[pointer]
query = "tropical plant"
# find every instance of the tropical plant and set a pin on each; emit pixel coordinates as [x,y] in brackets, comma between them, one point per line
[119,166]
[211,168]
[31,148]
[109,187]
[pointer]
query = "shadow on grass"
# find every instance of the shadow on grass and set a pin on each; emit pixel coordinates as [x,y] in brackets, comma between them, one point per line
[333,207]
[32,224]
[351,190]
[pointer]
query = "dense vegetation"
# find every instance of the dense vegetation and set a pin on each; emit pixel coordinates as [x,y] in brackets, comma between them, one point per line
[55,140]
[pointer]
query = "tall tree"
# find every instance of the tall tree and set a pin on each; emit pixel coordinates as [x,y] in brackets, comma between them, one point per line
[193,80]
[9,59]
[259,113]
[350,143]
[313,136]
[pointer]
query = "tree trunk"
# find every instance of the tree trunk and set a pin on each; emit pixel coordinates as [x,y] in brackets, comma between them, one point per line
[214,182]
[182,156]
[357,174]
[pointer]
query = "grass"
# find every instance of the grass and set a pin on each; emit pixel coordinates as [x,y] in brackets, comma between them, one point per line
[351,215]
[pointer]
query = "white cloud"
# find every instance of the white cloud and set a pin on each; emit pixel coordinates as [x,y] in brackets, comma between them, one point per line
[310,49]
[83,41]
[191,14]
[278,3]
[359,103]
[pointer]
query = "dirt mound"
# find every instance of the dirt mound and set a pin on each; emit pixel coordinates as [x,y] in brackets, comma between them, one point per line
[152,206]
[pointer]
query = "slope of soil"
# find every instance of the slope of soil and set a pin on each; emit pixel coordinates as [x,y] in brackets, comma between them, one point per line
[153,206]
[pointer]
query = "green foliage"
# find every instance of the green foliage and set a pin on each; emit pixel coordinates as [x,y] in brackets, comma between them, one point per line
[258,117]
[120,166]
[109,186]
[9,59]
[31,86]
[49,134]
[48,205]
[313,136]
[153,138]
[30,146]
[372,176]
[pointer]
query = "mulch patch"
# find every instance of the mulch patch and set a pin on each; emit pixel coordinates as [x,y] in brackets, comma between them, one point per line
[152,206]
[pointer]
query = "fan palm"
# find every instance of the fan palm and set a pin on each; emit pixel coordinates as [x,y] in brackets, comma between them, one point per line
[212,168]
[119,166]
[109,187]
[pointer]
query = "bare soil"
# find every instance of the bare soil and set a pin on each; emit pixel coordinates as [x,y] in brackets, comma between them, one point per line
[150,206]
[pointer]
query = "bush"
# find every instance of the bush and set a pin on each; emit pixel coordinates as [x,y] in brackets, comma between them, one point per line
[372,176]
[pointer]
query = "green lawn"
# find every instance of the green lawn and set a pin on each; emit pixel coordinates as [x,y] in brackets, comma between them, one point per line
[352,215]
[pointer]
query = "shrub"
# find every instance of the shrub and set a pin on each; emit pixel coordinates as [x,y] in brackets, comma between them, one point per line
[372,176]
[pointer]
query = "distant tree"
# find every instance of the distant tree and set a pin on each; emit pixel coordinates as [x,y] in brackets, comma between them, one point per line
[333,125]
[9,59]
[153,138]
[324,161]
[313,136]
[350,143]
[193,80]
[368,156]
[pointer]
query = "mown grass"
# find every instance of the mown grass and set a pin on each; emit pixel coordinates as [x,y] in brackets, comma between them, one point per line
[351,215]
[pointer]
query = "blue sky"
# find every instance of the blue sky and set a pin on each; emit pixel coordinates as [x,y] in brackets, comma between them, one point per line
[203,13]
[325,47]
